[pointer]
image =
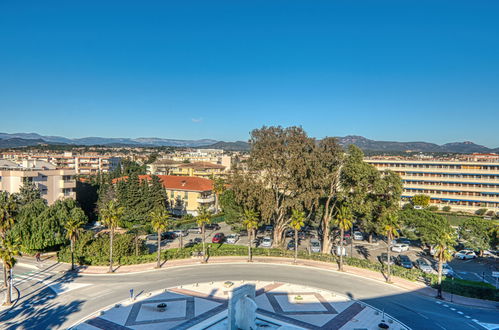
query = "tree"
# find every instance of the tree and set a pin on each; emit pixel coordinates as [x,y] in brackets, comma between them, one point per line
[281,160]
[328,162]
[28,193]
[9,249]
[443,252]
[297,223]
[74,228]
[111,215]
[159,221]
[218,189]
[8,208]
[391,225]
[421,200]
[476,234]
[343,221]
[250,221]
[230,207]
[203,218]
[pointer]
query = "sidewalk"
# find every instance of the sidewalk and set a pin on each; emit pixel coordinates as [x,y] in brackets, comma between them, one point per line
[421,288]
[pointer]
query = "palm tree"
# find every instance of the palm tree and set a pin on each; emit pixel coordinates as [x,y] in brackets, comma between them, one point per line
[8,207]
[159,221]
[443,252]
[297,222]
[111,215]
[343,221]
[218,189]
[8,251]
[203,218]
[391,226]
[250,221]
[74,228]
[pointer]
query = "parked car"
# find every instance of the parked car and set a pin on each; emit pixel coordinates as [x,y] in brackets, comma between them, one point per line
[400,247]
[358,236]
[339,250]
[212,226]
[418,207]
[447,270]
[218,238]
[404,261]
[403,240]
[425,266]
[169,235]
[266,242]
[268,229]
[195,230]
[232,238]
[291,244]
[179,233]
[290,233]
[383,258]
[193,242]
[315,245]
[465,254]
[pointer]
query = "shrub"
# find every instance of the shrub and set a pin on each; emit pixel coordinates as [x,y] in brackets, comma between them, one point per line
[481,211]
[433,208]
[446,208]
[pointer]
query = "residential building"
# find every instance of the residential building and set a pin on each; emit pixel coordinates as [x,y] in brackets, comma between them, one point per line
[185,193]
[199,169]
[53,183]
[214,156]
[465,183]
[90,163]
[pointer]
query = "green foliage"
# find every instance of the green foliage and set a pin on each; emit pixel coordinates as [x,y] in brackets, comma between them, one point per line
[8,210]
[446,208]
[40,227]
[481,212]
[424,225]
[433,208]
[421,200]
[476,233]
[231,209]
[95,251]
[28,193]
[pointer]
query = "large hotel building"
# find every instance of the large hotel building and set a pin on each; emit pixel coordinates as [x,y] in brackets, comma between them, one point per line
[468,183]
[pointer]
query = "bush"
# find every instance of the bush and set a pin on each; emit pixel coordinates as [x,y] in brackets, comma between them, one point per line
[433,208]
[446,208]
[481,211]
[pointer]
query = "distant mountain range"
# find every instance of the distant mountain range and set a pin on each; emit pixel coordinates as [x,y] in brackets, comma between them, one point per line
[31,139]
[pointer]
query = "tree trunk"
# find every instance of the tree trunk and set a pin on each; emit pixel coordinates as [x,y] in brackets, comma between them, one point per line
[440,265]
[8,298]
[278,234]
[204,243]
[111,238]
[296,245]
[137,245]
[370,238]
[389,275]
[250,234]
[342,233]
[326,228]
[72,255]
[5,276]
[158,265]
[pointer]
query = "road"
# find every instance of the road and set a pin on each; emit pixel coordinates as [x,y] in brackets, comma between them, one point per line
[81,295]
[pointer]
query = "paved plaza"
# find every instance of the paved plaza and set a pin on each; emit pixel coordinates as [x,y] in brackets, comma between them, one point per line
[204,306]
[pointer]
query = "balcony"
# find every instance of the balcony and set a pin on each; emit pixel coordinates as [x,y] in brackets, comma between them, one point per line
[67,184]
[205,200]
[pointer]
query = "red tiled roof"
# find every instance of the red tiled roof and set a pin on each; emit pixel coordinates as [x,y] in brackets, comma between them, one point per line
[174,182]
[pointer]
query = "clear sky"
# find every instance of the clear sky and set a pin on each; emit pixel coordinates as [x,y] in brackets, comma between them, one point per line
[386,70]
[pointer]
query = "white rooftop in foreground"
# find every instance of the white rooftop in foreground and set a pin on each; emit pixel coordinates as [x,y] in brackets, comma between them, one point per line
[204,306]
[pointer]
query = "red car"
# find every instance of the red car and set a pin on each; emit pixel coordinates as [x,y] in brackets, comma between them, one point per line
[218,238]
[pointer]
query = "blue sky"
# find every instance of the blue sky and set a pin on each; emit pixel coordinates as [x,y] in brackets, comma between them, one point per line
[387,70]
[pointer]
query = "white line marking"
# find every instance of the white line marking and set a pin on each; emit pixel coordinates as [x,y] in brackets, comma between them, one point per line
[460,313]
[452,309]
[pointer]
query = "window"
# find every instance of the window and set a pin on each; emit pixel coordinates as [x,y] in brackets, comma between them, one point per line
[186,195]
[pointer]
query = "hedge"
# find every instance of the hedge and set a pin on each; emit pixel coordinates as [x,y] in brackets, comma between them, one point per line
[456,286]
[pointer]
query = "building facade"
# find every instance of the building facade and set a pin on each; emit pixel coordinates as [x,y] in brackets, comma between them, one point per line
[465,184]
[53,183]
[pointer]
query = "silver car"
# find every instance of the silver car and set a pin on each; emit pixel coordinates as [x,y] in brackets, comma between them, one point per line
[315,245]
[232,238]
[266,242]
[425,266]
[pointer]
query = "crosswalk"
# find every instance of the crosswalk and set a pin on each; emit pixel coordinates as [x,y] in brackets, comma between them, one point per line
[32,277]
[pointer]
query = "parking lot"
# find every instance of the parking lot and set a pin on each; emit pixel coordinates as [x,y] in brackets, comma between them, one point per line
[479,269]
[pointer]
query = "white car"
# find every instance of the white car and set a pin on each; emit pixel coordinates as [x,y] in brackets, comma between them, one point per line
[399,247]
[465,254]
[418,207]
[339,250]
[232,238]
[179,233]
[315,245]
[266,242]
[358,236]
[425,266]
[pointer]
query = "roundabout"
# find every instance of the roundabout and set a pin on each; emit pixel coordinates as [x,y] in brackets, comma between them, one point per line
[95,293]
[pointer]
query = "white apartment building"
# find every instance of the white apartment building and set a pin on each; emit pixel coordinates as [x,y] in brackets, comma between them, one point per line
[465,185]
[53,183]
[214,156]
[82,164]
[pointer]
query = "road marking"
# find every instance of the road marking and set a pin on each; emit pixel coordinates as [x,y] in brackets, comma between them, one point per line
[452,309]
[468,317]
[446,305]
[460,312]
[438,302]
